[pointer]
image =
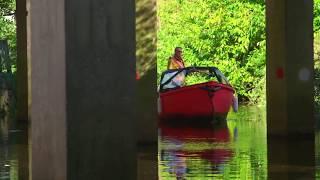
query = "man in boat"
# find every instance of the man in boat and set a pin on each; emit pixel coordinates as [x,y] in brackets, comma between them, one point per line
[176,61]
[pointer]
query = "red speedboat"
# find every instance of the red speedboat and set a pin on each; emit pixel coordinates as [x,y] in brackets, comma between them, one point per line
[195,92]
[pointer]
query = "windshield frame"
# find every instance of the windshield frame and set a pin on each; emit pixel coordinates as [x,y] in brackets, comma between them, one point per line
[213,70]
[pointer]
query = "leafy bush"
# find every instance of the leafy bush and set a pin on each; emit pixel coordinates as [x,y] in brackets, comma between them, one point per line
[316,27]
[317,70]
[316,16]
[228,34]
[8,27]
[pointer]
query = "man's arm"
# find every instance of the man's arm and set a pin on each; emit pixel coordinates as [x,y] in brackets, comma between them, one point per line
[169,62]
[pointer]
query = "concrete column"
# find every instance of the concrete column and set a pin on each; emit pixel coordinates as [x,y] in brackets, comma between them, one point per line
[22,65]
[83,89]
[146,35]
[147,134]
[290,114]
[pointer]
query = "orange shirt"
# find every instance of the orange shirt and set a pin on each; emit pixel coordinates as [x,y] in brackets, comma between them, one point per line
[175,64]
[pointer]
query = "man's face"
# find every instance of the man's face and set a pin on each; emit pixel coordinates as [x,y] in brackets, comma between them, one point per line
[178,52]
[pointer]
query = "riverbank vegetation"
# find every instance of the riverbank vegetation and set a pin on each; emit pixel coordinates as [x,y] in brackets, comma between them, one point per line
[316,27]
[228,34]
[8,32]
[8,56]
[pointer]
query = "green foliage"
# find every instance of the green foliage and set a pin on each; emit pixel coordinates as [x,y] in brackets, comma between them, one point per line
[316,27]
[8,27]
[317,70]
[227,34]
[7,7]
[8,32]
[197,77]
[316,16]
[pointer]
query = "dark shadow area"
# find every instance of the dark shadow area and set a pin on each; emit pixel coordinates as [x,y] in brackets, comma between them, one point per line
[7,95]
[291,157]
[147,163]
[7,82]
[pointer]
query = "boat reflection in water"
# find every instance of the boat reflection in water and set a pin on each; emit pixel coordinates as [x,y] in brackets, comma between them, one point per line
[193,150]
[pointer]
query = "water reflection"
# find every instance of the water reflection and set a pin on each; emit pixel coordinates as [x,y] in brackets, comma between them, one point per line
[235,149]
[4,150]
[184,149]
[317,152]
[13,151]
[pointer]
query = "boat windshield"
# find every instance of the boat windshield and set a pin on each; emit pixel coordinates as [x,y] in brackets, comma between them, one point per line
[189,76]
[222,78]
[173,79]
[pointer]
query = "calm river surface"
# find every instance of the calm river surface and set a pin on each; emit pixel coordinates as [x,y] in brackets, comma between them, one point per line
[235,150]
[13,150]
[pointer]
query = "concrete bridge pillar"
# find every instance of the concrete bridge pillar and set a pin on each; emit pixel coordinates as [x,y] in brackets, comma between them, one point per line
[22,63]
[290,116]
[83,89]
[146,45]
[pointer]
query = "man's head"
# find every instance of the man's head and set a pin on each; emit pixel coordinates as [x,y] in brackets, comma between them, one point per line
[178,51]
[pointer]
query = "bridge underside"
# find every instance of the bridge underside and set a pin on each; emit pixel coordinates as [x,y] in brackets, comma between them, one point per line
[82,87]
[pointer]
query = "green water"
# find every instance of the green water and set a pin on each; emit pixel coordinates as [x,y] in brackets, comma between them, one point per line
[13,150]
[236,150]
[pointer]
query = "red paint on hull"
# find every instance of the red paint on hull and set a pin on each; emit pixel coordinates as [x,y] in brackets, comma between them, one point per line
[204,100]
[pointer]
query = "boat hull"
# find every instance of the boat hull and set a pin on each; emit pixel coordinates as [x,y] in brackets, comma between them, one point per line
[201,101]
